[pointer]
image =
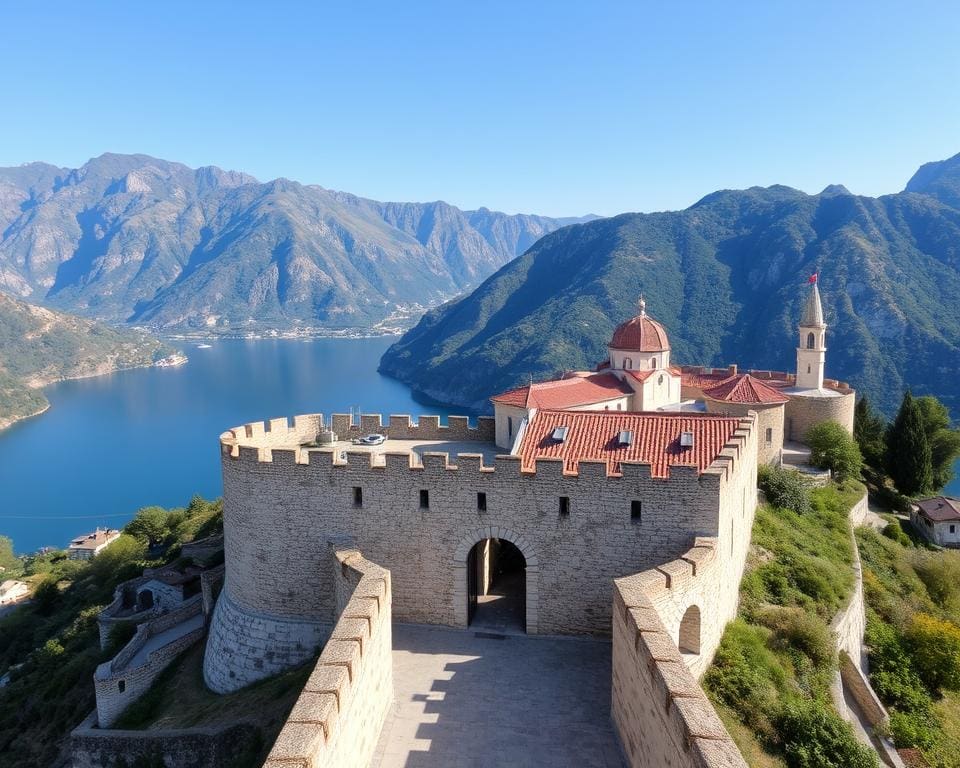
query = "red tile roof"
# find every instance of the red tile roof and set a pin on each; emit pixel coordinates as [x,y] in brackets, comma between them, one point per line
[702,380]
[593,435]
[640,334]
[743,388]
[940,509]
[566,393]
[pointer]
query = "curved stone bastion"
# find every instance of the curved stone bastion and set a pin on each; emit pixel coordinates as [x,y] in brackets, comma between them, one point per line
[418,503]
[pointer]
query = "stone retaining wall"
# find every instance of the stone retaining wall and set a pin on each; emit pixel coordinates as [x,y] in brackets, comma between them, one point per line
[117,685]
[93,747]
[337,719]
[661,714]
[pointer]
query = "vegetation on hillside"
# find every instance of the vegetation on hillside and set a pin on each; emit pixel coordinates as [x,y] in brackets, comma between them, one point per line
[50,646]
[727,278]
[913,639]
[771,675]
[38,347]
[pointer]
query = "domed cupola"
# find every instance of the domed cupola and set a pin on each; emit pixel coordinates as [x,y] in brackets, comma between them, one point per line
[640,344]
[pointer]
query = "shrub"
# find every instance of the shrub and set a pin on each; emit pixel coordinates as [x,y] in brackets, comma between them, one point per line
[940,574]
[893,530]
[833,448]
[47,595]
[813,736]
[910,729]
[746,675]
[784,488]
[891,671]
[935,647]
[802,630]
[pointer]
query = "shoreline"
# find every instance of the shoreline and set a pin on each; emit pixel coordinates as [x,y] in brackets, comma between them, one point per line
[177,359]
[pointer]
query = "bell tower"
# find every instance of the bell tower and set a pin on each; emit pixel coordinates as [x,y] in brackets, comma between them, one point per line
[812,351]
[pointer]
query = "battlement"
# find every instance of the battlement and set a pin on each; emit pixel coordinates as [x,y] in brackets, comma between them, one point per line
[659,709]
[339,714]
[281,443]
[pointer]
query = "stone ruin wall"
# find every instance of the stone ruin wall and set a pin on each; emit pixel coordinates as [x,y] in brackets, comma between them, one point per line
[337,719]
[660,712]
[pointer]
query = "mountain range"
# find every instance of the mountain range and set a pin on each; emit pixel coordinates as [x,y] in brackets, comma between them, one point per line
[727,277]
[137,240]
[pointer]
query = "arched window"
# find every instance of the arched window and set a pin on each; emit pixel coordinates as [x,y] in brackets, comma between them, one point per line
[808,369]
[653,363]
[811,340]
[690,631]
[627,363]
[769,434]
[122,686]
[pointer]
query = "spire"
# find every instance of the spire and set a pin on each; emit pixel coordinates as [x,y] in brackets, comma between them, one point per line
[643,306]
[813,311]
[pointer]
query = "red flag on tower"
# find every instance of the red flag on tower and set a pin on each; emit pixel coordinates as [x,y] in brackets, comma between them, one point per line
[812,278]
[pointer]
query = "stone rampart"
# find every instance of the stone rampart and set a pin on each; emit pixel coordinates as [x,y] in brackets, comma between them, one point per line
[211,582]
[402,427]
[124,679]
[280,504]
[661,714]
[337,719]
[94,747]
[803,412]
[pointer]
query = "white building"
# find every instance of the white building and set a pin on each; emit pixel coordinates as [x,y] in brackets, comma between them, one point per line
[938,520]
[91,545]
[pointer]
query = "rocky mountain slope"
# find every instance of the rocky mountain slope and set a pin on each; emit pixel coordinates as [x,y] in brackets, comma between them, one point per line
[726,277]
[39,346]
[134,239]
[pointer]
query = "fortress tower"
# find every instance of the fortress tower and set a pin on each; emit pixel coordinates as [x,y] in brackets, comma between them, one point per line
[812,350]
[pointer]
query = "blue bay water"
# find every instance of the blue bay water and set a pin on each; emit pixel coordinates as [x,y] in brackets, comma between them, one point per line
[112,444]
[954,488]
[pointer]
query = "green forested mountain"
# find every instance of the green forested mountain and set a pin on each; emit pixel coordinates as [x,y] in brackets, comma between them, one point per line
[38,346]
[726,277]
[131,238]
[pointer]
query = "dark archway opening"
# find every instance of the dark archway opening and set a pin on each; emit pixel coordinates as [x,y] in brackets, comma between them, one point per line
[496,586]
[145,600]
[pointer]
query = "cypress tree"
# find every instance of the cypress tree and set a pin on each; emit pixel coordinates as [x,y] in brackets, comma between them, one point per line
[908,450]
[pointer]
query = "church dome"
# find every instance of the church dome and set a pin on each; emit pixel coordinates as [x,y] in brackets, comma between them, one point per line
[640,334]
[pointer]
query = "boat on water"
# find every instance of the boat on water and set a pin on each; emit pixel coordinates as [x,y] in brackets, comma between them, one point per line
[203,346]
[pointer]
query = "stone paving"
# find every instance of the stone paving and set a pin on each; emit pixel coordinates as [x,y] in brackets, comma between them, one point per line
[514,701]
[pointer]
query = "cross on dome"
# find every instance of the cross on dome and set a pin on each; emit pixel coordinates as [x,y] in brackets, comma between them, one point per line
[643,306]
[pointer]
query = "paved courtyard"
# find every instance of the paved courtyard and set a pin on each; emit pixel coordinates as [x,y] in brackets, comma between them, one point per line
[469,701]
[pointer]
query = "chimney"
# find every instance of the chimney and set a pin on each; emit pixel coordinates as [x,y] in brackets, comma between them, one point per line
[732,369]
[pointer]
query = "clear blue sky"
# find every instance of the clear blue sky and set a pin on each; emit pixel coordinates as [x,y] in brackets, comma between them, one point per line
[557,108]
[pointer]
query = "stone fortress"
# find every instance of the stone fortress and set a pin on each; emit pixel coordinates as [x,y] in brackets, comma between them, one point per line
[620,500]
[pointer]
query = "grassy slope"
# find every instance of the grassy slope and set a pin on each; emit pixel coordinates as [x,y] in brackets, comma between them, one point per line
[902,579]
[38,346]
[778,653]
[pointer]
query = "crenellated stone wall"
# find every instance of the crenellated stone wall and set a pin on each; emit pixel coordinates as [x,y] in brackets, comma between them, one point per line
[337,719]
[281,504]
[662,716]
[769,421]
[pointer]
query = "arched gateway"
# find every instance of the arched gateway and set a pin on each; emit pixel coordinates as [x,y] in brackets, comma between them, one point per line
[468,562]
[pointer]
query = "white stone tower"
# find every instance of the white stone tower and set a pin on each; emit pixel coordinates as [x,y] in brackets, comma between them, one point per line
[812,352]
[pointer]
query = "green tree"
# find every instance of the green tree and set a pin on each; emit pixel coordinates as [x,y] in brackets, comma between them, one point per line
[151,524]
[944,442]
[908,450]
[832,447]
[784,488]
[936,651]
[869,429]
[9,562]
